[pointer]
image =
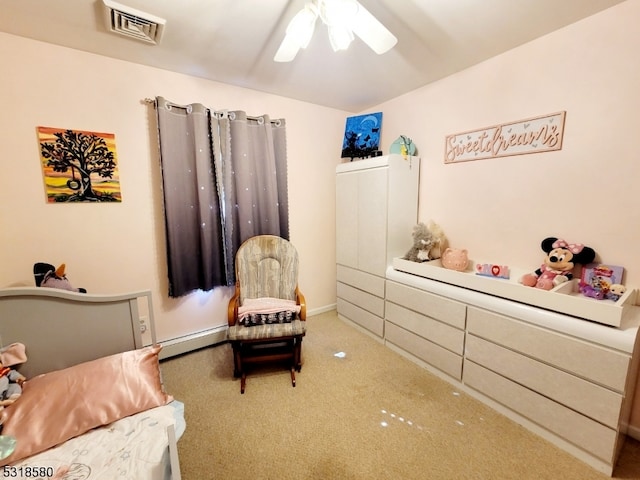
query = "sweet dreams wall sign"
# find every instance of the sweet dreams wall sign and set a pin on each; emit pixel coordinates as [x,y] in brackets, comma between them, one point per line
[533,135]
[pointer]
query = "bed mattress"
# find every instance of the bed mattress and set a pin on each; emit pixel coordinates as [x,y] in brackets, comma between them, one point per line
[134,447]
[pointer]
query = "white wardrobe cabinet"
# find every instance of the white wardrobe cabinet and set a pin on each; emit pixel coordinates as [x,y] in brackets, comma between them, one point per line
[361,202]
[376,210]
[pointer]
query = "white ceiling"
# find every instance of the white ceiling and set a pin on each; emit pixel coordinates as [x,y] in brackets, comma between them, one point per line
[234,41]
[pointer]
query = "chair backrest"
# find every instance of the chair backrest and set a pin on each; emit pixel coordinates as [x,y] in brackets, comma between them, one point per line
[267,266]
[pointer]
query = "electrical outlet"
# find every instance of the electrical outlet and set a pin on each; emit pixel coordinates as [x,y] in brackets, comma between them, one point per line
[143,324]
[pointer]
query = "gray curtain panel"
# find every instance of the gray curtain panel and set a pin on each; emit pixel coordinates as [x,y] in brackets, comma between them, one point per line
[255,192]
[195,254]
[236,168]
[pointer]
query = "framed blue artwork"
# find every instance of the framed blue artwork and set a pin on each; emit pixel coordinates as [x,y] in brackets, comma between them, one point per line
[362,136]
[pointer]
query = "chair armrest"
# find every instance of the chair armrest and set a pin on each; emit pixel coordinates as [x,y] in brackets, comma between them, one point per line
[232,308]
[303,304]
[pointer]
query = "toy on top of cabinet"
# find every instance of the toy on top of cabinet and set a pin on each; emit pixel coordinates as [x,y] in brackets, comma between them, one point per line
[558,264]
[429,243]
[455,259]
[600,281]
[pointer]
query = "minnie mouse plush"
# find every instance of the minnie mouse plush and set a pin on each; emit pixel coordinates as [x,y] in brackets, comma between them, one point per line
[558,264]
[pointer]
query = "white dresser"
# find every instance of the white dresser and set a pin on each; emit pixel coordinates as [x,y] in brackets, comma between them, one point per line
[538,357]
[429,327]
[567,379]
[376,210]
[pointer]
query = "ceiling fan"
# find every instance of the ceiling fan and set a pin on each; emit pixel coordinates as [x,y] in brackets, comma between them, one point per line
[343,18]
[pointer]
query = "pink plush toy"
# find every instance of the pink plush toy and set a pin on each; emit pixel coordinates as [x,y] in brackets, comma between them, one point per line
[455,259]
[558,264]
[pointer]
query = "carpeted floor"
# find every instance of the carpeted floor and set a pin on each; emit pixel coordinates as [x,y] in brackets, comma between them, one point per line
[359,411]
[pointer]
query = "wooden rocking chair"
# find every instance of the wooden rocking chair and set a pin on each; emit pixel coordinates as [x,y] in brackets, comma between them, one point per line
[267,314]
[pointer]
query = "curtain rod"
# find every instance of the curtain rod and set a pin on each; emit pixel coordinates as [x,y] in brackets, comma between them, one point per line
[219,114]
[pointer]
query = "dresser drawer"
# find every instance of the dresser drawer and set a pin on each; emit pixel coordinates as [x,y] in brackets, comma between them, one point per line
[592,400]
[361,280]
[433,330]
[435,306]
[587,434]
[363,318]
[365,300]
[595,363]
[441,358]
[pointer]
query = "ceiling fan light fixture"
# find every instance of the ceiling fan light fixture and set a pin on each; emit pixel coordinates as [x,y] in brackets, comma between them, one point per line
[338,13]
[340,37]
[343,18]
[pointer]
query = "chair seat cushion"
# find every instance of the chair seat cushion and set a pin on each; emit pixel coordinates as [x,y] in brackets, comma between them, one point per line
[266,331]
[258,311]
[285,316]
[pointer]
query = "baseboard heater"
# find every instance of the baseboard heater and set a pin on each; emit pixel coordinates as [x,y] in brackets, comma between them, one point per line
[194,341]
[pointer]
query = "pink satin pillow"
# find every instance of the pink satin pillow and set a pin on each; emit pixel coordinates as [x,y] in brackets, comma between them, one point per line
[60,405]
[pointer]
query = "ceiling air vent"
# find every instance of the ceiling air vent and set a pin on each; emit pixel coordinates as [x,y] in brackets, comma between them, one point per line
[133,23]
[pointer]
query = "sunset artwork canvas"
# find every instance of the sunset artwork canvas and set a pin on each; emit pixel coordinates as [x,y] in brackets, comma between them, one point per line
[79,166]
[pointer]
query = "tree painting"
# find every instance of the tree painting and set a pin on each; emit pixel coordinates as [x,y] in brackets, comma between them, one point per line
[79,166]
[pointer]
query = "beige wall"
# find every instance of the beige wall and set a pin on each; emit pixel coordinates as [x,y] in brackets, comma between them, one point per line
[500,209]
[112,248]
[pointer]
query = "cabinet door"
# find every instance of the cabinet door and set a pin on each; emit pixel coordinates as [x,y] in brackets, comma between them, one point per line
[347,219]
[372,221]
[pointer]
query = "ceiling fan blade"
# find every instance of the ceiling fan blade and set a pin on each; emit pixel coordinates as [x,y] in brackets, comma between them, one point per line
[288,49]
[372,32]
[299,32]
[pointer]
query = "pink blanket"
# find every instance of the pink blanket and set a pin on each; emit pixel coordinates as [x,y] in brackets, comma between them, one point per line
[265,306]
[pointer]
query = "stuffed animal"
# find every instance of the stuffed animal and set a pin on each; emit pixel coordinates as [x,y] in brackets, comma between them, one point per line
[423,242]
[47,275]
[558,264]
[455,259]
[439,241]
[429,242]
[11,380]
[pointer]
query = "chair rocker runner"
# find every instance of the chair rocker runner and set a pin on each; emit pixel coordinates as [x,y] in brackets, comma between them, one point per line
[267,313]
